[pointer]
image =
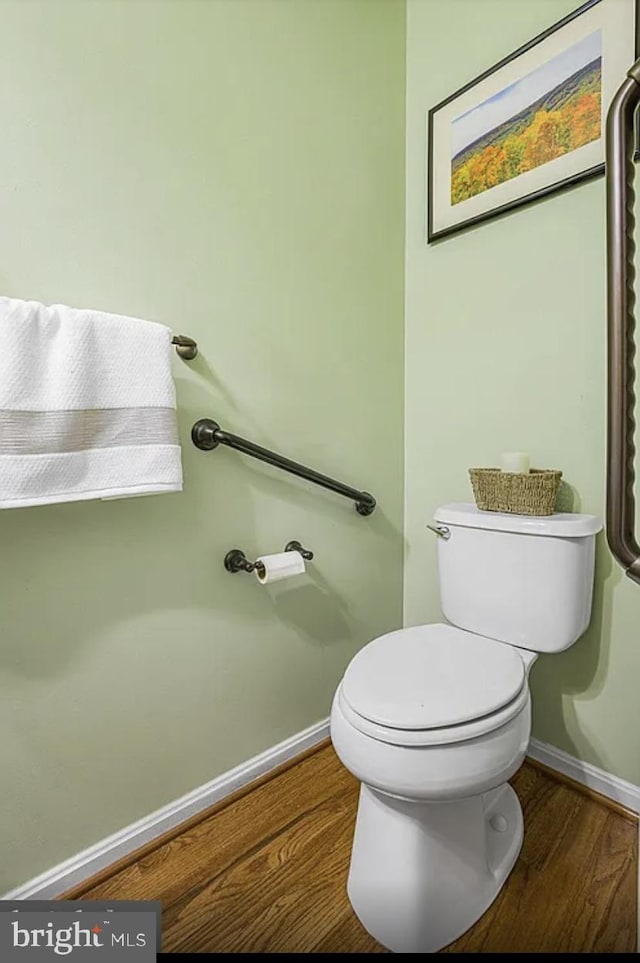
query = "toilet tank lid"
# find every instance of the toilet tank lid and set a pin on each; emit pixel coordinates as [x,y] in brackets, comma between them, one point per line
[560,525]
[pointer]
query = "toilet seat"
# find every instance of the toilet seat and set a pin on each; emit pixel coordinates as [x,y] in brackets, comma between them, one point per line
[434,737]
[432,685]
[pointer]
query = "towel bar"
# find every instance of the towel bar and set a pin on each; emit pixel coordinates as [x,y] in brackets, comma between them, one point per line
[621,396]
[186,347]
[207,434]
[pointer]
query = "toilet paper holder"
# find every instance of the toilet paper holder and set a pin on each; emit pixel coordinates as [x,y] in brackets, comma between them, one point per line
[236,561]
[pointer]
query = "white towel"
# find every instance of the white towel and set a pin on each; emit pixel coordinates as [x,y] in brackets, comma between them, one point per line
[87,406]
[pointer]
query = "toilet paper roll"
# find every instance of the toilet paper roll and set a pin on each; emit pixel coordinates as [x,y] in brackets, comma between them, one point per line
[273,568]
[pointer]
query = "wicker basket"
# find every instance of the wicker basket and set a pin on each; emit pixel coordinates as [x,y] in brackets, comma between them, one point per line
[519,494]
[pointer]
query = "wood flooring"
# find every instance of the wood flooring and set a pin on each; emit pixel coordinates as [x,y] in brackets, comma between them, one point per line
[267,873]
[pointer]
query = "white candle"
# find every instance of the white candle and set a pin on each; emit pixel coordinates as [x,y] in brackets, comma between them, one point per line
[516,461]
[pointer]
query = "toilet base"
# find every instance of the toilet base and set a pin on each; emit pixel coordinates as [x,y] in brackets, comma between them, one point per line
[422,873]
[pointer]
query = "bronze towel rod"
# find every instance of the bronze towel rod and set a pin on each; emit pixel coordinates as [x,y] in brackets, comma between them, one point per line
[621,506]
[207,434]
[186,347]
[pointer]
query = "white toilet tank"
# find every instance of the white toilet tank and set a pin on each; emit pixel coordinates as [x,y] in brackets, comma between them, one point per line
[520,579]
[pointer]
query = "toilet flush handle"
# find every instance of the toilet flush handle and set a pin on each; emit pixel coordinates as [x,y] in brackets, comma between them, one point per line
[440,530]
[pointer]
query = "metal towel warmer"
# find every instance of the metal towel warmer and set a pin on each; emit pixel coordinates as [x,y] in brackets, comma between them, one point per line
[621,509]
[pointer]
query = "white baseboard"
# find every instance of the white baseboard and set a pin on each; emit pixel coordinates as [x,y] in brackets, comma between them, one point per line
[78,868]
[612,787]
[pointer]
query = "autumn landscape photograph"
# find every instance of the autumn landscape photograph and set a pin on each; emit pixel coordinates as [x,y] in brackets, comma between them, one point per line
[553,110]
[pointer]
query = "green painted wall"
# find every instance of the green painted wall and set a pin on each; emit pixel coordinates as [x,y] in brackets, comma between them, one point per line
[505,350]
[234,169]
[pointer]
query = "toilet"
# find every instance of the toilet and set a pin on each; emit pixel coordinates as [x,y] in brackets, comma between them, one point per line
[434,719]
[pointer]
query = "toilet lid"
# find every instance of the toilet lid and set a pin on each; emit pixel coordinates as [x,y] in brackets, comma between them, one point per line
[431,676]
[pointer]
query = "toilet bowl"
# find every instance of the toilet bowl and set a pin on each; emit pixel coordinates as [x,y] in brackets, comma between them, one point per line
[435,812]
[434,720]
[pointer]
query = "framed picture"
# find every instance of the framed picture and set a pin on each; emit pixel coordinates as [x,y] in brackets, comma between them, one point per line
[531,125]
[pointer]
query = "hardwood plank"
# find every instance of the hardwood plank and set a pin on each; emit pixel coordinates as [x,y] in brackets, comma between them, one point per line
[612,923]
[542,799]
[277,900]
[109,871]
[192,858]
[268,873]
[347,935]
[573,885]
[585,790]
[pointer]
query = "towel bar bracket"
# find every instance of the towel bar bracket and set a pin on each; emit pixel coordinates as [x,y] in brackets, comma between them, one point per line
[186,347]
[203,434]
